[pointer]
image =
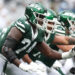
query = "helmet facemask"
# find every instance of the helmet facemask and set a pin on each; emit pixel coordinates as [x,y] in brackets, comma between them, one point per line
[35,14]
[50,24]
[72,24]
[72,27]
[40,20]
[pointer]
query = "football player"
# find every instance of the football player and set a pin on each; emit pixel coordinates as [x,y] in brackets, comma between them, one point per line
[67,21]
[52,31]
[71,31]
[26,33]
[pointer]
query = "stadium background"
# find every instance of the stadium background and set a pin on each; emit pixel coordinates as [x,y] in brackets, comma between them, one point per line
[10,10]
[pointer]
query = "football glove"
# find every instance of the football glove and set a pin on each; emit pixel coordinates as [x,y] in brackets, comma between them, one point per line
[25,67]
[69,54]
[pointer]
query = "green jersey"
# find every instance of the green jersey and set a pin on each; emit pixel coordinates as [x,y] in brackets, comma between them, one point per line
[58,30]
[47,60]
[36,55]
[29,39]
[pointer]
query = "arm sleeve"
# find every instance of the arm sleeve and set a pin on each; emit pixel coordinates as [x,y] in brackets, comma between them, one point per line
[8,49]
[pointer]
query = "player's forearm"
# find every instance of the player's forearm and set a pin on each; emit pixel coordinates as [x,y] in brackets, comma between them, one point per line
[69,40]
[64,40]
[60,40]
[65,48]
[27,59]
[63,55]
[55,55]
[47,51]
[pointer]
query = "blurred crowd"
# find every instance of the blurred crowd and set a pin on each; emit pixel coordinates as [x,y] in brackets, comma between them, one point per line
[10,10]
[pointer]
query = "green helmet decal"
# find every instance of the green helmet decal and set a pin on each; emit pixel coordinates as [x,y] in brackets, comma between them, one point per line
[50,14]
[34,11]
[51,20]
[66,18]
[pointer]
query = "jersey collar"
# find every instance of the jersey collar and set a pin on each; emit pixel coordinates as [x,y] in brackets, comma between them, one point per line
[47,37]
[34,35]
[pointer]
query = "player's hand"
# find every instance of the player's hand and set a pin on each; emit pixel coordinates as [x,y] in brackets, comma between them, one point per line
[34,66]
[26,68]
[72,52]
[41,66]
[69,54]
[37,66]
[57,64]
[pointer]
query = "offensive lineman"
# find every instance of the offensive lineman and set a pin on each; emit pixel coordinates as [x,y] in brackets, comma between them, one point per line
[18,36]
[34,55]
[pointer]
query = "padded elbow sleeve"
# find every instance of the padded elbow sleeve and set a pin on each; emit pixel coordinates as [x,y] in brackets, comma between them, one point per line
[8,48]
[9,54]
[11,43]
